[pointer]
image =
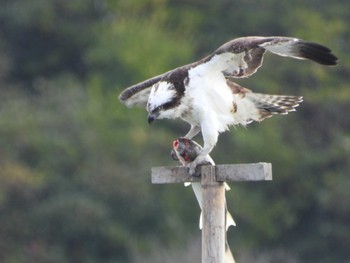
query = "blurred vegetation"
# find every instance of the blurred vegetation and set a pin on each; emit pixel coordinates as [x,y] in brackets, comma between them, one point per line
[75,164]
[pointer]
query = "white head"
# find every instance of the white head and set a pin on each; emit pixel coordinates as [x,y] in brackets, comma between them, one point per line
[163,101]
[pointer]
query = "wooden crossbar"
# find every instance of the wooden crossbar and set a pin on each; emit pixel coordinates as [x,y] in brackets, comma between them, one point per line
[223,173]
[213,195]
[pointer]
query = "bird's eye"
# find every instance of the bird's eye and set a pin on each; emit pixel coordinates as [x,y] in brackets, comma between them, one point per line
[158,109]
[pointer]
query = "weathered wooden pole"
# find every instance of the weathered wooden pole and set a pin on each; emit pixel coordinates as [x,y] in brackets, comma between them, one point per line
[213,195]
[213,213]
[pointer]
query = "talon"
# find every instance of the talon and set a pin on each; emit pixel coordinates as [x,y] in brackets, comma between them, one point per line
[197,172]
[191,168]
[194,167]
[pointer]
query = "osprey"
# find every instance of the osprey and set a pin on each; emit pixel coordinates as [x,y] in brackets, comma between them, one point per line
[203,94]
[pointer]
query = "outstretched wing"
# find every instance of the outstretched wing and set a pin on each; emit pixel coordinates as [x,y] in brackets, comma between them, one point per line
[248,53]
[137,95]
[238,58]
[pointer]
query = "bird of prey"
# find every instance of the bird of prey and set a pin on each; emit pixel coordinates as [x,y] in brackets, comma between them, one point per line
[203,93]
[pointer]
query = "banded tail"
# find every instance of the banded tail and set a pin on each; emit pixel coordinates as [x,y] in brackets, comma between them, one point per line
[269,105]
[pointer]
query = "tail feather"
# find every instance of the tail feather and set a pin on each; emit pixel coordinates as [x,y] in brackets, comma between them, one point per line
[269,105]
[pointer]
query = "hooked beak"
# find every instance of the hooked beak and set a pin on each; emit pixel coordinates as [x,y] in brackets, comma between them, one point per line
[152,117]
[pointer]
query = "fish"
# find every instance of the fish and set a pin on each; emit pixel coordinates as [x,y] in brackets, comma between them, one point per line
[185,151]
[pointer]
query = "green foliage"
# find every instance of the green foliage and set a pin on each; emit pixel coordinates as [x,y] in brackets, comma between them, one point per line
[75,164]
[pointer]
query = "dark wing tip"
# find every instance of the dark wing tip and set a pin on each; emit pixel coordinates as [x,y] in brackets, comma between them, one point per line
[122,97]
[125,94]
[318,53]
[137,95]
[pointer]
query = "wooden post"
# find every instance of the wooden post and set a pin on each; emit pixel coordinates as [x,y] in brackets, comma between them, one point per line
[213,213]
[213,194]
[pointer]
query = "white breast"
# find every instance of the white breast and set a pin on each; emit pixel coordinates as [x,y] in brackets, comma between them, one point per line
[210,95]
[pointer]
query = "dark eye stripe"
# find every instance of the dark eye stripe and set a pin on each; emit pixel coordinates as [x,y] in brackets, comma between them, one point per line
[171,104]
[167,105]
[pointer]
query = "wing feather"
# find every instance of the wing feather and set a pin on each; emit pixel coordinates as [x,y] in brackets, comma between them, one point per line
[299,49]
[316,52]
[238,58]
[254,59]
[137,95]
[249,53]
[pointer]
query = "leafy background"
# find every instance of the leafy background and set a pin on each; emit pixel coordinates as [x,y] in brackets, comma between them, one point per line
[75,164]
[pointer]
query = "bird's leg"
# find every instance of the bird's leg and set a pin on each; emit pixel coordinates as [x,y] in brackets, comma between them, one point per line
[195,129]
[210,137]
[200,160]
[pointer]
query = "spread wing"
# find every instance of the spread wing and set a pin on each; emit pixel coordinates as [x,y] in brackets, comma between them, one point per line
[137,95]
[239,58]
[248,53]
